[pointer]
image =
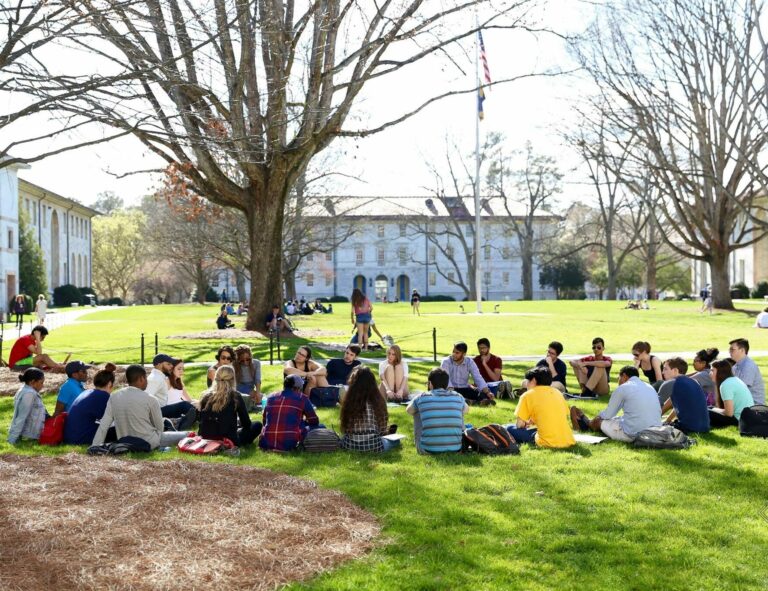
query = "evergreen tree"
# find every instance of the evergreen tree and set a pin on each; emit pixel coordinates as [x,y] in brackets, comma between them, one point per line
[32,276]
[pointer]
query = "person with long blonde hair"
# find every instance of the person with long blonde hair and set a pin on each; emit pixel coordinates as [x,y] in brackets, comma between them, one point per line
[393,372]
[220,408]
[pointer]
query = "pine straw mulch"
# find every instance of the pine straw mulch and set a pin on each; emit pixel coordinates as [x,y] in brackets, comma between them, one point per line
[79,522]
[9,380]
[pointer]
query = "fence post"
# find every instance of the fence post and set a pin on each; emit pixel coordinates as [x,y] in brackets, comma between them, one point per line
[142,349]
[434,344]
[2,332]
[156,344]
[271,344]
[279,355]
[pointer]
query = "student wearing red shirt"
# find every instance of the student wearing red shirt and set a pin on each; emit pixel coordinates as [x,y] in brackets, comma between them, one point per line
[488,363]
[27,351]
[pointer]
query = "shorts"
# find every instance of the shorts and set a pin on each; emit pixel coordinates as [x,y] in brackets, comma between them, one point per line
[363,318]
[26,362]
[612,428]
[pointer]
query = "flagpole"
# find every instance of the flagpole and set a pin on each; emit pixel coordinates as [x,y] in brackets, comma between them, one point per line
[478,285]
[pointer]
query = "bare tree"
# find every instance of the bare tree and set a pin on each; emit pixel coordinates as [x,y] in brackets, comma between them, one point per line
[239,97]
[684,79]
[535,185]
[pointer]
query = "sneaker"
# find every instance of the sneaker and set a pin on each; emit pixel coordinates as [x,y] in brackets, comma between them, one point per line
[518,392]
[187,420]
[583,423]
[486,402]
[587,393]
[392,429]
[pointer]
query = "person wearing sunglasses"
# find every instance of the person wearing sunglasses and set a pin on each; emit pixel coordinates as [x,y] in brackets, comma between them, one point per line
[593,371]
[224,356]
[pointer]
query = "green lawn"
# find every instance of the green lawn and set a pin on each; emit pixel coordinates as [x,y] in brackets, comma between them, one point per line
[595,517]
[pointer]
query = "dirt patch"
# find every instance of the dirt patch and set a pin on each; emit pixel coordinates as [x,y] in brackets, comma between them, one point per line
[78,522]
[9,380]
[236,334]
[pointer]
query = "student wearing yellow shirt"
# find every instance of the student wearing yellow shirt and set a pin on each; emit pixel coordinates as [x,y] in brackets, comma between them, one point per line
[544,408]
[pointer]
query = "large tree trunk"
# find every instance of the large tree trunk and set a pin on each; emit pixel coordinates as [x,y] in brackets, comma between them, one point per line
[290,284]
[527,272]
[201,283]
[240,283]
[265,231]
[721,284]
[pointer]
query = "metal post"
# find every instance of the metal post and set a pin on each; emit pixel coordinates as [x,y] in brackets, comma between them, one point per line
[2,332]
[279,355]
[156,344]
[271,344]
[434,344]
[142,349]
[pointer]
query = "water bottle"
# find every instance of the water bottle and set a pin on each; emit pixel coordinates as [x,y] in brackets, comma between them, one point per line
[163,449]
[263,403]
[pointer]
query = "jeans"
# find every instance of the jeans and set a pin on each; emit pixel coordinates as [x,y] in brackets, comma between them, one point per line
[522,435]
[390,445]
[471,394]
[247,436]
[175,411]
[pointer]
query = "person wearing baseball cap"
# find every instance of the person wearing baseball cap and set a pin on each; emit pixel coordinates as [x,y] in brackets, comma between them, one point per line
[157,387]
[288,417]
[77,375]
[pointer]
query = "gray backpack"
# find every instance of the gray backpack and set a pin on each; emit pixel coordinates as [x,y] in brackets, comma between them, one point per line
[664,437]
[320,440]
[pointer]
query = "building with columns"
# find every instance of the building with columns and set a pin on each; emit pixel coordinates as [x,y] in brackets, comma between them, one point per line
[62,227]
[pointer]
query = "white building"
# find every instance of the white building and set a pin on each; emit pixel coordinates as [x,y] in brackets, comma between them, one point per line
[62,227]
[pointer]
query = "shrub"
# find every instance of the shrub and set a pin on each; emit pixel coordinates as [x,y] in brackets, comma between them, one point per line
[115,302]
[338,299]
[66,295]
[438,298]
[85,292]
[761,290]
[740,291]
[211,295]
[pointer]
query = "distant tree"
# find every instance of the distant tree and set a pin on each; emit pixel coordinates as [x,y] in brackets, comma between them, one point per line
[566,275]
[32,275]
[120,248]
[108,202]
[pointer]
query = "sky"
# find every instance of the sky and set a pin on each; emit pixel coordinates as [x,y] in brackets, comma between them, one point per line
[397,161]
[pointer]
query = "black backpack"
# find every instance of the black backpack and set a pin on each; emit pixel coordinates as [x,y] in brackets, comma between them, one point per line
[664,437]
[324,397]
[492,439]
[754,421]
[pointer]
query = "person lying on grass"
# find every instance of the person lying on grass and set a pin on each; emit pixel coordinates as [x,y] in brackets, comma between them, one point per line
[438,416]
[364,414]
[543,408]
[29,412]
[638,400]
[288,417]
[686,399]
[459,368]
[27,351]
[220,408]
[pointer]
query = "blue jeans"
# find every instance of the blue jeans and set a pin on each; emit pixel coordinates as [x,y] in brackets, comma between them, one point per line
[522,435]
[390,445]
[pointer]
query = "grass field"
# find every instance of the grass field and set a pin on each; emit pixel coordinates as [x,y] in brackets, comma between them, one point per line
[594,517]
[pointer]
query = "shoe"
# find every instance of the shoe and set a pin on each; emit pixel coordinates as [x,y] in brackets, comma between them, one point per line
[587,393]
[392,429]
[583,423]
[518,392]
[486,402]
[187,420]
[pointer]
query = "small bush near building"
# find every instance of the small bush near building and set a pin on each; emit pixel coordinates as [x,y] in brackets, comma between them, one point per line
[115,302]
[438,298]
[85,292]
[740,291]
[761,290]
[66,295]
[211,295]
[338,299]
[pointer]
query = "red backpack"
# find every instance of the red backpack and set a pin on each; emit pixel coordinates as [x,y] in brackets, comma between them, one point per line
[198,445]
[53,430]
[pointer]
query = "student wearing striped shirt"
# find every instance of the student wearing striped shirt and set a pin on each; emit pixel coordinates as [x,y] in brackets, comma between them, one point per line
[438,416]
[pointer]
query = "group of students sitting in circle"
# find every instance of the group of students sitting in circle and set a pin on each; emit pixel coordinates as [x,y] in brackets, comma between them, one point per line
[157,408]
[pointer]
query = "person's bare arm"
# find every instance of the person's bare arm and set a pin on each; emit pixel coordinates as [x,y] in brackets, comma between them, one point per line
[728,408]
[59,408]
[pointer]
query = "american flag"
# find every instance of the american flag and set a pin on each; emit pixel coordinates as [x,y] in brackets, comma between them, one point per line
[486,77]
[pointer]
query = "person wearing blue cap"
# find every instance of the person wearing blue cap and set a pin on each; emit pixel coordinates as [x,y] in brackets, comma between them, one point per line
[77,374]
[288,417]
[158,386]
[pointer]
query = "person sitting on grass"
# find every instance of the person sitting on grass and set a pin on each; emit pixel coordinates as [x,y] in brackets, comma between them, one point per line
[274,321]
[543,408]
[224,356]
[702,376]
[459,367]
[88,408]
[393,372]
[136,414]
[29,412]
[158,386]
[687,400]
[77,375]
[438,416]
[220,408]
[339,370]
[27,351]
[364,414]
[488,364]
[223,321]
[313,374]
[593,371]
[288,417]
[746,369]
[762,319]
[177,392]
[733,396]
[555,365]
[649,364]
[637,399]
[248,374]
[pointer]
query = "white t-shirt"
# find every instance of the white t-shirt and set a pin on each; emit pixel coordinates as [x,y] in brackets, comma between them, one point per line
[762,320]
[41,307]
[174,396]
[383,367]
[157,386]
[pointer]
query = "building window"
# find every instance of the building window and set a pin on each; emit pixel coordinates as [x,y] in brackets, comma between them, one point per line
[506,253]
[44,214]
[487,252]
[381,231]
[328,279]
[329,256]
[432,278]
[34,213]
[487,278]
[310,279]
[215,281]
[450,275]
[505,277]
[432,254]
[310,257]
[402,230]
[380,254]
[10,239]
[359,256]
[402,255]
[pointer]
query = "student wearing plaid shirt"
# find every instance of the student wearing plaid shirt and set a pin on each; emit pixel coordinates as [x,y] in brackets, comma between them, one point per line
[364,414]
[288,417]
